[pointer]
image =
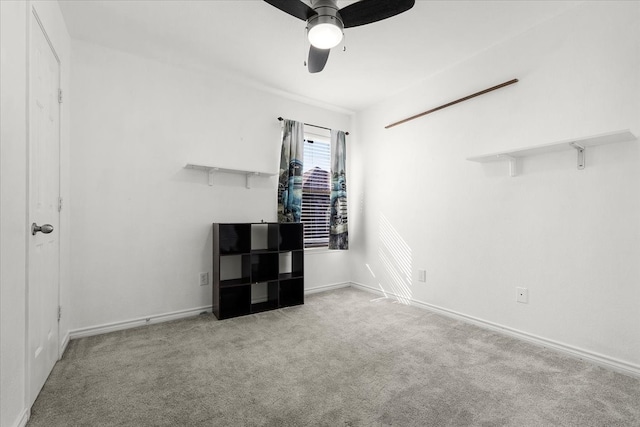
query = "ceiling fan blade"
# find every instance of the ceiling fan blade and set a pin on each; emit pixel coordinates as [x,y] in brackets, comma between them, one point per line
[368,11]
[317,59]
[293,7]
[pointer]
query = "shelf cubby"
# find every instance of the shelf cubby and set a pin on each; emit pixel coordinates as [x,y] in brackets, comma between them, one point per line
[234,301]
[264,267]
[290,237]
[269,300]
[264,237]
[233,238]
[291,264]
[235,268]
[291,292]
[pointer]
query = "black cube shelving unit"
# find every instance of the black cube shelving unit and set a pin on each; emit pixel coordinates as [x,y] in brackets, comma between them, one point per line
[256,267]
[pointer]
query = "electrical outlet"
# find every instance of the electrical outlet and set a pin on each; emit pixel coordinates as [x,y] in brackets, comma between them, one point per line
[422,275]
[204,279]
[522,295]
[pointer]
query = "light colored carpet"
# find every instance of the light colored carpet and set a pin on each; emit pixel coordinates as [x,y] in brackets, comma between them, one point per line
[345,358]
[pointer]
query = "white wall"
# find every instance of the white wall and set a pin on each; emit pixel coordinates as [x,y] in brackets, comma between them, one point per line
[571,237]
[141,221]
[15,18]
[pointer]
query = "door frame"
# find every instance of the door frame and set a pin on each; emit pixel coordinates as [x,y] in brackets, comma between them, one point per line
[34,19]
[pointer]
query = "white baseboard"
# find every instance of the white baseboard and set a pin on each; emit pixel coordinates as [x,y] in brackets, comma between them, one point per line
[325,288]
[64,344]
[598,359]
[127,324]
[22,420]
[158,318]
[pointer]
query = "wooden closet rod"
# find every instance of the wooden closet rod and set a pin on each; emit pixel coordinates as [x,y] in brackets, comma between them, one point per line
[482,92]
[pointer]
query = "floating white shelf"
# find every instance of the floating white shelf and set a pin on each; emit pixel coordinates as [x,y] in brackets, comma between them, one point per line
[212,170]
[579,145]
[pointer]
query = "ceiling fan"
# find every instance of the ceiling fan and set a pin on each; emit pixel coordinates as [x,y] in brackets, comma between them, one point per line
[325,22]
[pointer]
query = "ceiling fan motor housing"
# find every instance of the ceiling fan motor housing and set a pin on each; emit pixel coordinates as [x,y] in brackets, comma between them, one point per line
[326,13]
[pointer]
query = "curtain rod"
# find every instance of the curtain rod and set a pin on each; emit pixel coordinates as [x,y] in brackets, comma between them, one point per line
[315,126]
[482,92]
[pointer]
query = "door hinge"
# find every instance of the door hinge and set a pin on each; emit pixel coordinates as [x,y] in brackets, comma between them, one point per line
[59,312]
[59,204]
[60,96]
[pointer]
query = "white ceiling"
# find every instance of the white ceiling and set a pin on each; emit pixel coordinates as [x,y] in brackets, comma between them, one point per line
[253,41]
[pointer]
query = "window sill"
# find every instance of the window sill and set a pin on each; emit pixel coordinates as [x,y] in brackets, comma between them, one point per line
[324,250]
[314,251]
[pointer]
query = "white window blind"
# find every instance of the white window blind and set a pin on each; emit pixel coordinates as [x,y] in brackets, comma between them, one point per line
[316,191]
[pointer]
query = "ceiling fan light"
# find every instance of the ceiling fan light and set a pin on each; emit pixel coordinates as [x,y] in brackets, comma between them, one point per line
[325,33]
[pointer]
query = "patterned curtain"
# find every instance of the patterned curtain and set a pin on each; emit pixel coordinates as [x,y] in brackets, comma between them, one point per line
[338,231]
[290,180]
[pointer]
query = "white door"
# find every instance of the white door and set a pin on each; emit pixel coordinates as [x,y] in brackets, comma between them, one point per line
[44,193]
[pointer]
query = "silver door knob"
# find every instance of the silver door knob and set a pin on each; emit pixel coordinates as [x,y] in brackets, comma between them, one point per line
[45,228]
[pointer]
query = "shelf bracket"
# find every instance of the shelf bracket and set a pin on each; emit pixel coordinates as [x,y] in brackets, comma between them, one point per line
[249,176]
[513,164]
[212,172]
[580,149]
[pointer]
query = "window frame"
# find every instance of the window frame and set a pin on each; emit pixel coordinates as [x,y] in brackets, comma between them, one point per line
[323,163]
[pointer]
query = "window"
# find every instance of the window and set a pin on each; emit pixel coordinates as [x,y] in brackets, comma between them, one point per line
[316,190]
